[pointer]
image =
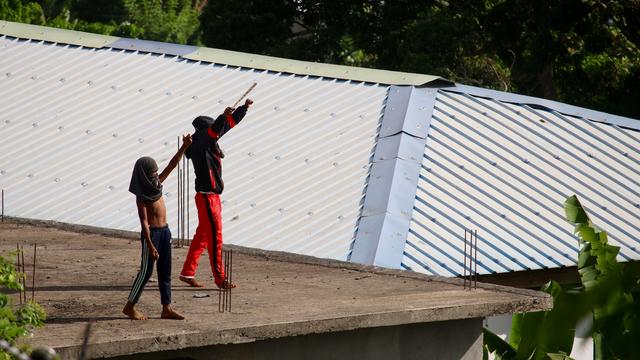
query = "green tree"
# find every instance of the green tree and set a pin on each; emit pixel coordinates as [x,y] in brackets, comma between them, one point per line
[609,291]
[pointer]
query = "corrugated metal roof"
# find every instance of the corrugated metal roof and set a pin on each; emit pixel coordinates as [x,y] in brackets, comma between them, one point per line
[75,120]
[219,56]
[505,169]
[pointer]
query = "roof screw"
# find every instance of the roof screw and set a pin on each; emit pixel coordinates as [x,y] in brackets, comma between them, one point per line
[332,114]
[362,116]
[7,121]
[35,124]
[494,163]
[590,155]
[526,161]
[113,87]
[56,180]
[30,176]
[34,77]
[307,161]
[276,108]
[2,172]
[340,217]
[250,154]
[281,210]
[8,74]
[307,110]
[335,164]
[277,157]
[115,135]
[90,83]
[252,204]
[220,101]
[168,93]
[60,128]
[140,140]
[626,154]
[140,90]
[88,132]
[194,97]
[84,184]
[310,213]
[557,156]
[62,80]
[110,187]
[503,215]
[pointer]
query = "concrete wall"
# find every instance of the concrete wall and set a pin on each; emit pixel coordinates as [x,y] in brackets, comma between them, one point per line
[447,340]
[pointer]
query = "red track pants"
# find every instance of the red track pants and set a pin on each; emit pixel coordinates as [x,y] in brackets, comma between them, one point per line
[208,235]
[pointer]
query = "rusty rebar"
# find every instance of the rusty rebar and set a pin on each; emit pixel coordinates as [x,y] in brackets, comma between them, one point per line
[24,275]
[2,205]
[33,276]
[178,198]
[230,276]
[464,268]
[475,261]
[18,268]
[188,197]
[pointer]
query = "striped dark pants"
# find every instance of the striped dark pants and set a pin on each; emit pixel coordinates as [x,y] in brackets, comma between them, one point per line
[161,239]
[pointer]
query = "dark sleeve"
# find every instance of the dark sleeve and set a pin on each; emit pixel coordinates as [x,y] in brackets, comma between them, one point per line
[224,123]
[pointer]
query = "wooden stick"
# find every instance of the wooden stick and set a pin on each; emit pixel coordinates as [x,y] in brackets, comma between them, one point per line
[245,94]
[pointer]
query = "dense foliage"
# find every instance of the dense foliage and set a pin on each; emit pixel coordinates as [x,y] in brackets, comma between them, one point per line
[584,52]
[15,320]
[609,292]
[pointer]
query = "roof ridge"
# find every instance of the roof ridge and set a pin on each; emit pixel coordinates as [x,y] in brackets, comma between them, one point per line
[220,56]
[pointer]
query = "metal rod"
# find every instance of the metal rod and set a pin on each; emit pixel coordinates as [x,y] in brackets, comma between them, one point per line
[178,199]
[85,341]
[230,276]
[188,197]
[33,276]
[184,199]
[24,275]
[464,268]
[2,205]
[476,261]
[18,268]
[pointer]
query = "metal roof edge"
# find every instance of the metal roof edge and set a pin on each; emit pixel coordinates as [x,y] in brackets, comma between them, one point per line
[284,65]
[220,56]
[562,108]
[44,33]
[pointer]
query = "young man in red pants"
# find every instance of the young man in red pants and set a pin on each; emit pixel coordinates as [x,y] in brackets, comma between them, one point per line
[206,156]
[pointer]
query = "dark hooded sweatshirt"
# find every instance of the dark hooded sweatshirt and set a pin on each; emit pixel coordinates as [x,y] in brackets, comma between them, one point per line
[145,183]
[205,152]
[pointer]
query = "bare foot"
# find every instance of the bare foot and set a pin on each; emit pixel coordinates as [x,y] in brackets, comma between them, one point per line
[226,285]
[133,313]
[169,313]
[190,281]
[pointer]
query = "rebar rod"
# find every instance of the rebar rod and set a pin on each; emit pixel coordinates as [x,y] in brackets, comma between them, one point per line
[475,284]
[33,276]
[464,268]
[24,275]
[18,268]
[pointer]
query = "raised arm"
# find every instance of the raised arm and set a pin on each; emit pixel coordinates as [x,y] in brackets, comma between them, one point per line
[229,119]
[186,142]
[144,223]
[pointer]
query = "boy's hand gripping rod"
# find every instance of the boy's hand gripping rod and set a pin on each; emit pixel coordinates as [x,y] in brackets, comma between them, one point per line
[245,94]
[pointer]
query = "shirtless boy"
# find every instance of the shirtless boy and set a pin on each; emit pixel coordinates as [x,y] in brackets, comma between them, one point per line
[146,184]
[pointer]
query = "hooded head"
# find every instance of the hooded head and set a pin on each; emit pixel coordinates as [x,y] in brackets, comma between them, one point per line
[201,124]
[145,183]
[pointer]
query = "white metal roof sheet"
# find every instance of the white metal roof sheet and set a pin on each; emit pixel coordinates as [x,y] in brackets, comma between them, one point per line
[75,119]
[505,169]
